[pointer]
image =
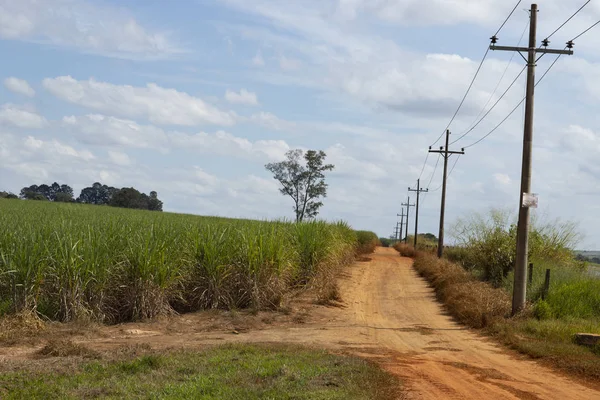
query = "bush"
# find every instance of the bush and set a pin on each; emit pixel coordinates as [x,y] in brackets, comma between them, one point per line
[405,250]
[489,243]
[386,242]
[367,242]
[542,310]
[472,302]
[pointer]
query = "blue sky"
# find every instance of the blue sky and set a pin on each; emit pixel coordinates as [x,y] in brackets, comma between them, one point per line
[192,98]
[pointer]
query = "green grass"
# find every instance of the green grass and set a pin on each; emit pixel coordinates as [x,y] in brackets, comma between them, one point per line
[551,341]
[75,261]
[243,372]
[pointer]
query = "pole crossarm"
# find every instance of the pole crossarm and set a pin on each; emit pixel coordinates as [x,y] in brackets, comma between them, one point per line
[418,190]
[408,206]
[541,50]
[446,153]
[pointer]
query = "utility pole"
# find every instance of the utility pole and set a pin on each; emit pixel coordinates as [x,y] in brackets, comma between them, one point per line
[446,154]
[408,206]
[418,190]
[401,223]
[396,231]
[520,285]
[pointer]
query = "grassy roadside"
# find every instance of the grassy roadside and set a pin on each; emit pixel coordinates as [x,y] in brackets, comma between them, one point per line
[226,372]
[479,305]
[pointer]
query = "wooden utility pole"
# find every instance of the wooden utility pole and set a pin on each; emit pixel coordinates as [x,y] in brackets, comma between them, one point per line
[418,190]
[520,285]
[446,154]
[408,206]
[401,223]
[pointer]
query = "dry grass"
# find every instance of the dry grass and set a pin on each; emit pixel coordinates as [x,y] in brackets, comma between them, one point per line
[472,302]
[405,250]
[66,348]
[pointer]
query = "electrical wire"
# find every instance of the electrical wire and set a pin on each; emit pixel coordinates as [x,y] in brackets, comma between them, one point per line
[471,125]
[434,169]
[470,86]
[490,110]
[507,18]
[568,19]
[449,173]
[581,34]
[464,97]
[516,107]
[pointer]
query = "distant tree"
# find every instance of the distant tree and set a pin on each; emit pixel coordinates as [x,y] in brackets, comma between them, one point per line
[154,204]
[8,195]
[49,192]
[302,180]
[63,197]
[98,194]
[127,198]
[132,198]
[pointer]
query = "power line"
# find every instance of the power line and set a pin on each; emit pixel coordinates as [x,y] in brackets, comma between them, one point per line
[449,173]
[507,18]
[500,80]
[493,106]
[464,97]
[568,19]
[434,169]
[423,168]
[470,86]
[516,107]
[581,34]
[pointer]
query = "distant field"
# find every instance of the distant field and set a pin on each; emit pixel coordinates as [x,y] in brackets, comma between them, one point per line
[72,261]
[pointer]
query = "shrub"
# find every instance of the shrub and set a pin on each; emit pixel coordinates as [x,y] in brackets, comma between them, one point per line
[367,242]
[489,243]
[472,302]
[542,310]
[405,250]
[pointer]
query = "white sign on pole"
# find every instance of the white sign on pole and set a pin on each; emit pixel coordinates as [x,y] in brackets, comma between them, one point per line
[530,200]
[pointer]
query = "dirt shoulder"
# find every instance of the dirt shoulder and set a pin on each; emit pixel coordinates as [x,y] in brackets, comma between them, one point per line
[388,314]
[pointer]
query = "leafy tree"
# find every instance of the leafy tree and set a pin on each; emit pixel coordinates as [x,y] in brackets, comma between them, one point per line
[154,204]
[132,198]
[98,194]
[64,197]
[8,195]
[48,192]
[304,183]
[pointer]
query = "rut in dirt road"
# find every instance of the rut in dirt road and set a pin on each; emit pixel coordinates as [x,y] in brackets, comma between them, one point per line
[438,358]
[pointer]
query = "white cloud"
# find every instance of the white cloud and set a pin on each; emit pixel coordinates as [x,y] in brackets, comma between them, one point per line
[226,144]
[101,130]
[271,121]
[83,25]
[258,60]
[21,117]
[289,64]
[502,179]
[119,158]
[19,86]
[54,147]
[157,104]
[243,97]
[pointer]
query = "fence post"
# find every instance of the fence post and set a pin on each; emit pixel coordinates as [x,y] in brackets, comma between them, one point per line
[546,285]
[530,273]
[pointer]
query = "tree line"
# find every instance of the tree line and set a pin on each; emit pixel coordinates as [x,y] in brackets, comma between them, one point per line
[97,194]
